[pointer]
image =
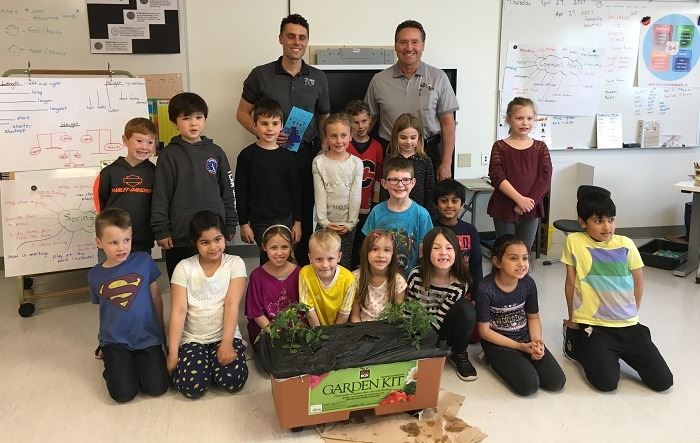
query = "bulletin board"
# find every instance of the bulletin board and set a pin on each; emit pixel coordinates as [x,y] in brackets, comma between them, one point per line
[53,34]
[603,38]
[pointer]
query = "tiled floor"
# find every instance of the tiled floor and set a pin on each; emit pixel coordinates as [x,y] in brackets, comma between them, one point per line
[51,388]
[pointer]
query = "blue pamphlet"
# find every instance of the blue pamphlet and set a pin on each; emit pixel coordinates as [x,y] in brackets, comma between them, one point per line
[296,125]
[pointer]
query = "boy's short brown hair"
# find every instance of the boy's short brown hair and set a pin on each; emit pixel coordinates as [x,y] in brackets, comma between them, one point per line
[357,107]
[111,217]
[397,163]
[139,125]
[327,239]
[266,108]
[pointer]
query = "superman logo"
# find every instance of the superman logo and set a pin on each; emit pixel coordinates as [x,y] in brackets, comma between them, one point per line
[122,290]
[132,180]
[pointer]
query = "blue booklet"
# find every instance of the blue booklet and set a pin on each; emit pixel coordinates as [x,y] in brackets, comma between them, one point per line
[296,125]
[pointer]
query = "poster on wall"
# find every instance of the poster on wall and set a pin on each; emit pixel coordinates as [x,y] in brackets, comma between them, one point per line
[668,52]
[133,26]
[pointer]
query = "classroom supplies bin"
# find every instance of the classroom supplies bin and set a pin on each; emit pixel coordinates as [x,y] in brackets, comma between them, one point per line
[648,250]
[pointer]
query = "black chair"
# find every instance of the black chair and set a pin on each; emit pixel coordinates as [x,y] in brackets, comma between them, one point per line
[567,226]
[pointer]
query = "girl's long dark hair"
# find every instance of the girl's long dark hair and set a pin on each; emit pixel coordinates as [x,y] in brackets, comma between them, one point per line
[459,269]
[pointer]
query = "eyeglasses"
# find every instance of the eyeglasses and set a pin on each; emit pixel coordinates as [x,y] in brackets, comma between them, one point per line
[395,181]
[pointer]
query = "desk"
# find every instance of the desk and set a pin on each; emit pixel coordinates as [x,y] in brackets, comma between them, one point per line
[694,234]
[476,186]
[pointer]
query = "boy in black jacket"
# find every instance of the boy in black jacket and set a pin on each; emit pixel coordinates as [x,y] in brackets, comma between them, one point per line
[192,174]
[127,183]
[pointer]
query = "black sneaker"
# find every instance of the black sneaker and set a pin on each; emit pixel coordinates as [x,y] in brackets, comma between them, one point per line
[464,367]
[570,336]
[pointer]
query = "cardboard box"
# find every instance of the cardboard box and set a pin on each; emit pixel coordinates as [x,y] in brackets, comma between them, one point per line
[310,400]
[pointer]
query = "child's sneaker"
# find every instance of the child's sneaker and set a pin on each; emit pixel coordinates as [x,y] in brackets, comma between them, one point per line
[464,367]
[569,340]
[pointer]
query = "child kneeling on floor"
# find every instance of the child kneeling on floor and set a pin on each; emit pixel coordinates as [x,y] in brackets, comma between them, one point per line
[509,323]
[204,343]
[604,286]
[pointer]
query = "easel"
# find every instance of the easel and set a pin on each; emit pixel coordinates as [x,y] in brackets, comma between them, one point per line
[25,282]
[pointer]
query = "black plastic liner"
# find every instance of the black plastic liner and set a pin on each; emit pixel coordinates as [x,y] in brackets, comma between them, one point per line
[351,345]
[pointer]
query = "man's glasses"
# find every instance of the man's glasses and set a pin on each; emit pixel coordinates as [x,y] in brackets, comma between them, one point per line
[395,181]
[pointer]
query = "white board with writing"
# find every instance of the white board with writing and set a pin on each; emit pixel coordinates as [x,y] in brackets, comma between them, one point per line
[614,27]
[48,223]
[51,123]
[560,80]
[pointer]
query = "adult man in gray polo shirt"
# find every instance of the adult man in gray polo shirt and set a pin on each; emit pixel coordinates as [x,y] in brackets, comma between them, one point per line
[423,90]
[292,82]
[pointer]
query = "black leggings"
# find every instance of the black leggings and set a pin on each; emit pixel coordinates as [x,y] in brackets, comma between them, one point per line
[599,354]
[522,374]
[458,325]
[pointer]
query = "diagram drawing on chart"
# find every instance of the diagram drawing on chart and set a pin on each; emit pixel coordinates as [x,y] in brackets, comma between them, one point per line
[66,122]
[99,142]
[50,225]
[557,79]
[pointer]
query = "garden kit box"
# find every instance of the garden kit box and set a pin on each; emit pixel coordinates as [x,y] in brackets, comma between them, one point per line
[361,366]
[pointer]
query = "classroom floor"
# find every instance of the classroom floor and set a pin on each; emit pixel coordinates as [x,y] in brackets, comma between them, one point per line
[52,389]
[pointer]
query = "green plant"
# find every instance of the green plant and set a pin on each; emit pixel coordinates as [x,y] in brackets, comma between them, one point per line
[290,328]
[411,318]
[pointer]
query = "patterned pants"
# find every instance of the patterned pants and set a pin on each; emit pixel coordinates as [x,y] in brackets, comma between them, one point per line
[197,368]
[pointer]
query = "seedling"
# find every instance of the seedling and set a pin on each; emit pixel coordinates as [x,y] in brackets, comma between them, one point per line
[411,318]
[290,328]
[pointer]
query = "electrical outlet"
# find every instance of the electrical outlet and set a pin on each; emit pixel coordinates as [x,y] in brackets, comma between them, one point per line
[464,160]
[485,157]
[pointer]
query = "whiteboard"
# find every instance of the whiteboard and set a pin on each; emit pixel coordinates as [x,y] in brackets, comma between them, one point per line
[614,27]
[48,221]
[50,123]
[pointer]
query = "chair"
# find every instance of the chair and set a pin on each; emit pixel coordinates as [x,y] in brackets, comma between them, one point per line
[567,226]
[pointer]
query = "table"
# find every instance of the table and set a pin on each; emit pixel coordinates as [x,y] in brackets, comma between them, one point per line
[476,186]
[694,235]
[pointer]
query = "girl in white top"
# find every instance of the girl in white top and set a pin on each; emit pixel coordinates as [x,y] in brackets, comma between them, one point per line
[338,184]
[204,342]
[378,278]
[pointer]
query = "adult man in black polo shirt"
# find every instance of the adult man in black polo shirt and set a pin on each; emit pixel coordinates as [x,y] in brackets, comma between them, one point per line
[292,82]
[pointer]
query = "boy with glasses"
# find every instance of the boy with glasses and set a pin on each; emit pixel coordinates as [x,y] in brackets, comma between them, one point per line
[408,220]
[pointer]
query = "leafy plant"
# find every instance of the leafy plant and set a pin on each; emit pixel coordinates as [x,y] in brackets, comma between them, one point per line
[290,327]
[411,318]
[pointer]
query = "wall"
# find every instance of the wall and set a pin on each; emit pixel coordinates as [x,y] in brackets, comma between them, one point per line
[225,40]
[465,35]
[54,35]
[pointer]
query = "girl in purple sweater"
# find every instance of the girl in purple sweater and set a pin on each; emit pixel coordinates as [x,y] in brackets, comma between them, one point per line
[521,173]
[274,285]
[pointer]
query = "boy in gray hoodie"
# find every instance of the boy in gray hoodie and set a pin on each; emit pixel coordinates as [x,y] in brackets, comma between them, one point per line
[192,174]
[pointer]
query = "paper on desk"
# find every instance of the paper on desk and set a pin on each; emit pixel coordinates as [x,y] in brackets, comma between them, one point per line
[433,425]
[295,127]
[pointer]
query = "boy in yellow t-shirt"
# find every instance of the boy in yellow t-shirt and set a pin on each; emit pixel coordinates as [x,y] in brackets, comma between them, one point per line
[604,286]
[324,285]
